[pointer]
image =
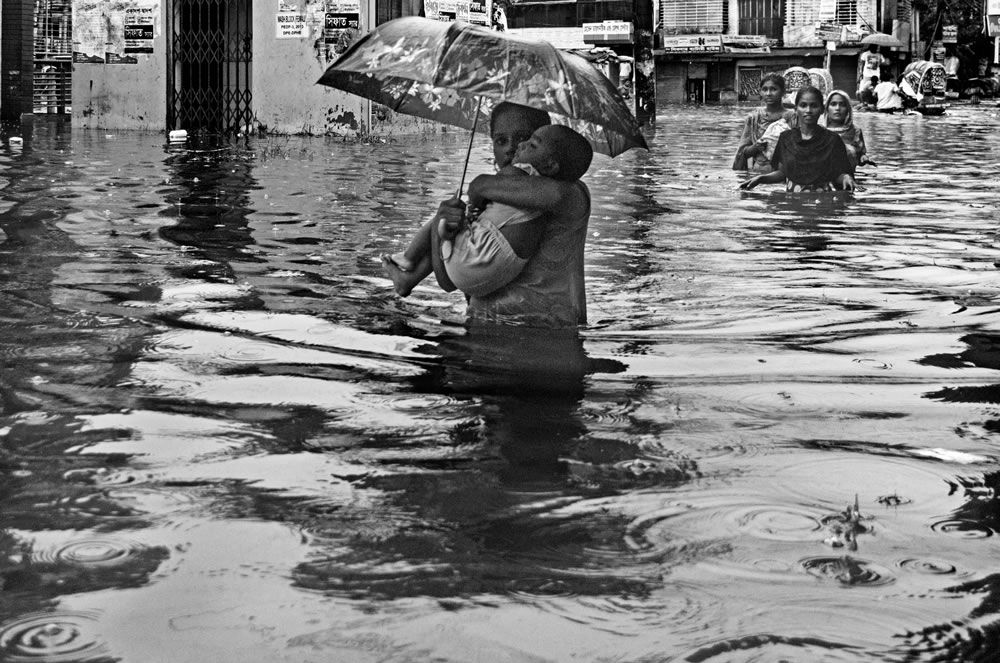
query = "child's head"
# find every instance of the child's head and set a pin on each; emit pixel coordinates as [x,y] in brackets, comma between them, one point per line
[510,125]
[558,152]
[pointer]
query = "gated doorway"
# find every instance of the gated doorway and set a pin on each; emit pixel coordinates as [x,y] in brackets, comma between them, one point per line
[209,66]
[748,83]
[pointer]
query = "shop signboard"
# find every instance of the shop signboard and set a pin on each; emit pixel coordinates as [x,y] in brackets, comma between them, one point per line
[949,34]
[829,32]
[993,18]
[692,43]
[746,44]
[608,32]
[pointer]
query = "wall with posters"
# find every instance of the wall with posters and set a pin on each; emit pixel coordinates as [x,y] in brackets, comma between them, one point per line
[119,65]
[294,42]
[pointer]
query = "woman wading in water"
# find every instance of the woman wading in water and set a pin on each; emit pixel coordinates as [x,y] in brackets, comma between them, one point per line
[808,157]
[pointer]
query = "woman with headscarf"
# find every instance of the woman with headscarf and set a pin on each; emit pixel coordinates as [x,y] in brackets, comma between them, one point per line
[839,119]
[808,157]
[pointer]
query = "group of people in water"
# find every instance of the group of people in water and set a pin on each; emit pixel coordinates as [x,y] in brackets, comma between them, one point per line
[516,249]
[812,147]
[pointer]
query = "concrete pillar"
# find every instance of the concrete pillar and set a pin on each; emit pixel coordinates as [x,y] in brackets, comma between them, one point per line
[645,64]
[17,61]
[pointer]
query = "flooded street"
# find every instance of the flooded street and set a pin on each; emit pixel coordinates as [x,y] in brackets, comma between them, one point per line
[223,436]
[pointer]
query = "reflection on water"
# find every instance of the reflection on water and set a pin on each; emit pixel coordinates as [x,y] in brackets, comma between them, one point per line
[220,426]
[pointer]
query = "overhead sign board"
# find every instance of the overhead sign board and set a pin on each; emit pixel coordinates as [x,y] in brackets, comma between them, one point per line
[692,43]
[829,32]
[746,44]
[608,32]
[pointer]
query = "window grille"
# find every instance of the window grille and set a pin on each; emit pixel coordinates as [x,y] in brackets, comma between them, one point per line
[693,16]
[52,79]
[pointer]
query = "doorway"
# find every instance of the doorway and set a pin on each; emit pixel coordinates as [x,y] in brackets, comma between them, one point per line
[209,68]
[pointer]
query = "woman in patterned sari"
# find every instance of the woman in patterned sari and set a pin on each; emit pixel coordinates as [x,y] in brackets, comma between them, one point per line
[808,157]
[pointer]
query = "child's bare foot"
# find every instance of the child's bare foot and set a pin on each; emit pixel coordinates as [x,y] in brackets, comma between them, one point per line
[401,279]
[401,261]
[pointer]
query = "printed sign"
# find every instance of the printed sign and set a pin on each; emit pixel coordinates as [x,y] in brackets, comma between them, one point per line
[949,34]
[608,32]
[291,25]
[993,18]
[746,44]
[138,29]
[829,32]
[478,14]
[692,43]
[341,29]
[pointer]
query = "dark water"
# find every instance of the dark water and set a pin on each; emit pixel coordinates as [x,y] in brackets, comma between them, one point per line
[223,437]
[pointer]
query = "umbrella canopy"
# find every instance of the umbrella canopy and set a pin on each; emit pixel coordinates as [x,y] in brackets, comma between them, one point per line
[445,70]
[881,39]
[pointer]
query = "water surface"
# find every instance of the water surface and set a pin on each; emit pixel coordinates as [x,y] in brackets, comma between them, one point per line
[222,435]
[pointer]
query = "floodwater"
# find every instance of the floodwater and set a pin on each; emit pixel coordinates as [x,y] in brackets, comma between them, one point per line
[224,438]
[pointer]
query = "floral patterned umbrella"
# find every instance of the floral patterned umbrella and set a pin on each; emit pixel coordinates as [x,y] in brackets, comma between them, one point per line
[445,70]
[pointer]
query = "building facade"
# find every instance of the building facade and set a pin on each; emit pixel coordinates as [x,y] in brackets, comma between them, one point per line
[718,50]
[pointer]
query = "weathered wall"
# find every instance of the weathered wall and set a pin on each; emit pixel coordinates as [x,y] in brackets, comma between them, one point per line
[286,98]
[125,96]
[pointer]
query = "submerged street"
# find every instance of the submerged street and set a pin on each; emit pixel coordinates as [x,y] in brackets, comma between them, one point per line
[224,437]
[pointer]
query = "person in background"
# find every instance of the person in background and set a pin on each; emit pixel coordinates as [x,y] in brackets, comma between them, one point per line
[808,157]
[870,63]
[888,99]
[751,152]
[866,94]
[839,119]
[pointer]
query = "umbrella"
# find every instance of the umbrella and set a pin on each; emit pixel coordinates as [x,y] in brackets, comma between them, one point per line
[881,39]
[454,72]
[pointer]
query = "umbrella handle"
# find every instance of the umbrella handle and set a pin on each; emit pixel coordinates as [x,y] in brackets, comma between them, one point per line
[468,151]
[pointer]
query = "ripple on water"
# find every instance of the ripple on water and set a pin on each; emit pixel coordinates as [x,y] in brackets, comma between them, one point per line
[770,647]
[928,566]
[54,637]
[962,528]
[718,517]
[834,480]
[95,552]
[848,571]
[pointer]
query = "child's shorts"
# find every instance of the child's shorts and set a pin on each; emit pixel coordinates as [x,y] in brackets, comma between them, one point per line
[482,260]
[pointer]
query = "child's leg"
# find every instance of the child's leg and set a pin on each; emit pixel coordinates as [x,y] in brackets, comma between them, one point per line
[420,246]
[405,280]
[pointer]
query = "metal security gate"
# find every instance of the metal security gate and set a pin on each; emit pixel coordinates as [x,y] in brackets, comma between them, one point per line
[53,56]
[210,66]
[749,83]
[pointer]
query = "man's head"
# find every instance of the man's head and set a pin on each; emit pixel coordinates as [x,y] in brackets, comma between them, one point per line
[873,48]
[558,152]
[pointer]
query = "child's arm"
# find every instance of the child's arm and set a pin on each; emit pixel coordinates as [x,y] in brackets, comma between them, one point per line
[539,193]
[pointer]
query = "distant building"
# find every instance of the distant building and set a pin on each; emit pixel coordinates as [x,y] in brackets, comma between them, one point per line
[712,50]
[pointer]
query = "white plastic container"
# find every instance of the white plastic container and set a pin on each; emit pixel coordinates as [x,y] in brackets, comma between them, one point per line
[178,136]
[15,141]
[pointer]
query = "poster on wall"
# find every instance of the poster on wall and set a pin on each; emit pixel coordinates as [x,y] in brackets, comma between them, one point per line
[342,24]
[992,15]
[477,13]
[112,32]
[139,29]
[291,24]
